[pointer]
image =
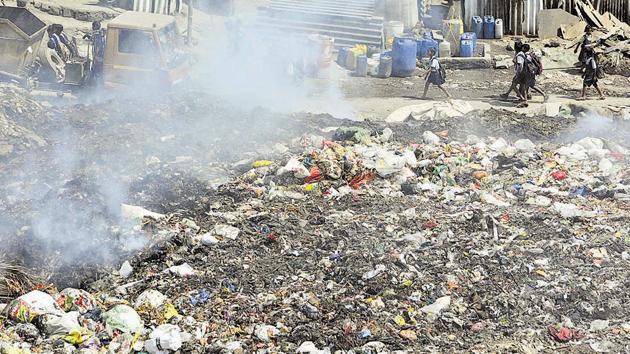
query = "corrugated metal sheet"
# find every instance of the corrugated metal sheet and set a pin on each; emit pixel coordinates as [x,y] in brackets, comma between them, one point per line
[519,16]
[157,6]
[348,22]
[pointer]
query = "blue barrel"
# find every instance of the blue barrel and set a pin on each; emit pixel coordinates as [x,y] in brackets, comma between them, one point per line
[466,48]
[404,57]
[362,66]
[477,26]
[424,45]
[470,36]
[488,27]
[421,49]
[342,56]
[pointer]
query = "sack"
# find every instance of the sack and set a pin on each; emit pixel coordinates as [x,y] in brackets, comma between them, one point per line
[600,73]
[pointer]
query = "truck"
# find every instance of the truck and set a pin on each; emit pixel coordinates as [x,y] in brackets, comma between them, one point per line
[140,49]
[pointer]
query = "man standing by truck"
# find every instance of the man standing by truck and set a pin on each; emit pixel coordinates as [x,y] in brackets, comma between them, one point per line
[97,38]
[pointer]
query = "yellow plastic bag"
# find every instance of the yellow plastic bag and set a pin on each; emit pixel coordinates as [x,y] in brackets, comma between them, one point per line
[169,311]
[262,163]
[77,336]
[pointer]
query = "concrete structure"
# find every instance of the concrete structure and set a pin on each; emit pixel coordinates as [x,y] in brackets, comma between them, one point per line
[21,35]
[550,21]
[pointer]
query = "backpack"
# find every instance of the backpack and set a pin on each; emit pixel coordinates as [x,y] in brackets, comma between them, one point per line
[535,65]
[441,70]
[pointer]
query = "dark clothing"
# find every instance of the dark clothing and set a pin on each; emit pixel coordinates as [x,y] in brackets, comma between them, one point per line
[590,74]
[435,77]
[69,44]
[586,42]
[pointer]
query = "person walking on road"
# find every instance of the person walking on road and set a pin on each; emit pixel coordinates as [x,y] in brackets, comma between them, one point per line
[435,75]
[592,73]
[584,43]
[518,48]
[532,68]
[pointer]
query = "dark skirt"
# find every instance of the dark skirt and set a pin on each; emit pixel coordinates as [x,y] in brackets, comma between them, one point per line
[590,78]
[436,79]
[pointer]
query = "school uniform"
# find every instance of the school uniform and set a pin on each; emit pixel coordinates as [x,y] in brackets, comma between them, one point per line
[435,77]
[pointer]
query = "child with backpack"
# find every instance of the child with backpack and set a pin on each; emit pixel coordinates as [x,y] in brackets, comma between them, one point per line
[532,67]
[436,75]
[592,72]
[518,48]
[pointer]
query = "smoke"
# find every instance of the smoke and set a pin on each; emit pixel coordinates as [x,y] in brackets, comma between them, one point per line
[253,67]
[61,206]
[595,125]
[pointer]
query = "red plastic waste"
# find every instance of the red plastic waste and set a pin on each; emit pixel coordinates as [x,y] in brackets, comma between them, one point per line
[559,175]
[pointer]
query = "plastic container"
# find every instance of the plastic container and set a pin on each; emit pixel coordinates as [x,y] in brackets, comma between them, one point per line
[498,28]
[467,48]
[351,59]
[385,67]
[445,49]
[342,56]
[362,66]
[404,57]
[470,36]
[477,26]
[488,27]
[424,45]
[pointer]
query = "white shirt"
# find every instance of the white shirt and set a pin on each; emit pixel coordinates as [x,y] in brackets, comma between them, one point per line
[435,64]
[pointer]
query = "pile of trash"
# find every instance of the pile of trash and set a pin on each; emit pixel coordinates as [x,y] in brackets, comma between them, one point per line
[355,242]
[16,134]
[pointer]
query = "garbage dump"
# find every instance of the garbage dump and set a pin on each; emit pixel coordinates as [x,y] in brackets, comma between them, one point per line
[353,237]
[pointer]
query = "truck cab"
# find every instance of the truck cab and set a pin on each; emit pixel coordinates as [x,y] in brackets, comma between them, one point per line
[145,50]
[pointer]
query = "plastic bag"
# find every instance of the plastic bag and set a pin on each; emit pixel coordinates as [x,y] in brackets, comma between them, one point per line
[163,339]
[71,299]
[123,318]
[151,298]
[61,325]
[28,306]
[183,270]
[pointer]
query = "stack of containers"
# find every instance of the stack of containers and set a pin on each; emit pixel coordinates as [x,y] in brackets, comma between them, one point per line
[468,44]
